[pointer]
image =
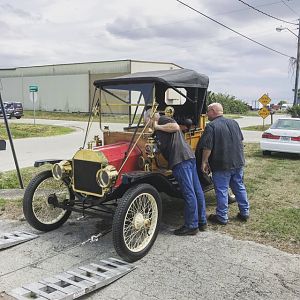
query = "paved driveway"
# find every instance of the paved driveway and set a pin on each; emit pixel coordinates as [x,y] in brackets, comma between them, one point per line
[206,266]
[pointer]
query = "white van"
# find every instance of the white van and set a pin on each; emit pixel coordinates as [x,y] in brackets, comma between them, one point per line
[285,106]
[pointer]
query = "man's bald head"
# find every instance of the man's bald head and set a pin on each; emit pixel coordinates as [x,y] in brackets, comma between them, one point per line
[214,110]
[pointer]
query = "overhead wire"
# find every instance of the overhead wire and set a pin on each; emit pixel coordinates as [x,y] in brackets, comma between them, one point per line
[266,14]
[290,8]
[239,10]
[236,32]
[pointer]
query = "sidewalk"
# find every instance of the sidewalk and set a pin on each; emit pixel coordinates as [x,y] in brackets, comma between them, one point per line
[11,194]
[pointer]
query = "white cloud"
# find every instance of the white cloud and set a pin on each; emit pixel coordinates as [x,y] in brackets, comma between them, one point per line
[38,32]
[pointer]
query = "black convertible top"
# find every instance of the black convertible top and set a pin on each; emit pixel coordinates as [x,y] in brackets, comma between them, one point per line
[175,78]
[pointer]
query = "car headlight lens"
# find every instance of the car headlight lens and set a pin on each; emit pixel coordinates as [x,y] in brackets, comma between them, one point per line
[107,176]
[61,169]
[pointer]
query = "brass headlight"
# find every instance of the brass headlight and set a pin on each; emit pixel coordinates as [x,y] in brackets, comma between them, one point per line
[169,111]
[107,176]
[61,169]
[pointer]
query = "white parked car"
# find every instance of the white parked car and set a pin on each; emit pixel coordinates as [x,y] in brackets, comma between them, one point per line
[282,136]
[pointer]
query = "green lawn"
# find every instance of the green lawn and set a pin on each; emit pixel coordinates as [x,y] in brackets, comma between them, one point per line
[29,130]
[75,116]
[257,127]
[109,118]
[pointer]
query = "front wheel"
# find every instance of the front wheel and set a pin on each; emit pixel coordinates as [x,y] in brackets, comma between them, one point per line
[40,202]
[136,222]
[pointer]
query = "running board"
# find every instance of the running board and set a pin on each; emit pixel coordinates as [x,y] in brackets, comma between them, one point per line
[15,238]
[74,283]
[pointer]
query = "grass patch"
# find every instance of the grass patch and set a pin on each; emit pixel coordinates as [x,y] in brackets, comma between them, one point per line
[281,223]
[233,116]
[19,131]
[2,203]
[109,118]
[11,209]
[9,179]
[257,127]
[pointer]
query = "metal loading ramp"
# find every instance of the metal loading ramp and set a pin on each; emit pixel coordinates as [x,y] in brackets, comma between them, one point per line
[15,238]
[74,283]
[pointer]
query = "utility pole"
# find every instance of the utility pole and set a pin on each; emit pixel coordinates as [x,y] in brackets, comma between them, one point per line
[297,68]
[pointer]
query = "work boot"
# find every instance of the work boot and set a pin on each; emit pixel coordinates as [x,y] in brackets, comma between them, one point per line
[185,231]
[242,217]
[214,219]
[202,226]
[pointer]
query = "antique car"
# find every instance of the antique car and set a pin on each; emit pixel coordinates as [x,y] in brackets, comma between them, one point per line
[121,174]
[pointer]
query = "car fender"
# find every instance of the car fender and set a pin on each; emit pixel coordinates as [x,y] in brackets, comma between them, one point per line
[41,162]
[161,182]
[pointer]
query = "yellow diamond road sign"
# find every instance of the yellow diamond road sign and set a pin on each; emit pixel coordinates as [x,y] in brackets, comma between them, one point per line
[264,112]
[264,99]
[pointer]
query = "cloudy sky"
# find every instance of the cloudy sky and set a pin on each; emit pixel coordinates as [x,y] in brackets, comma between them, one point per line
[40,32]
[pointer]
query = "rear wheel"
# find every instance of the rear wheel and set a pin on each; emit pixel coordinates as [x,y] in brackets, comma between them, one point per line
[40,202]
[136,222]
[18,117]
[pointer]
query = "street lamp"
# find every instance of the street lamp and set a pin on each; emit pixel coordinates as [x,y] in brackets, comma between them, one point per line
[297,59]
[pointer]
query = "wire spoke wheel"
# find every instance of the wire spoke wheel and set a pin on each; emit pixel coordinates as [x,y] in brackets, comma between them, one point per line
[47,194]
[136,222]
[140,222]
[41,198]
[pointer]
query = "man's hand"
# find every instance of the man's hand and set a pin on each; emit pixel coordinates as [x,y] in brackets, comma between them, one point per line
[205,167]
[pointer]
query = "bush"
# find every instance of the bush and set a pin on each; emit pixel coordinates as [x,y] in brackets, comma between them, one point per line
[230,104]
[294,111]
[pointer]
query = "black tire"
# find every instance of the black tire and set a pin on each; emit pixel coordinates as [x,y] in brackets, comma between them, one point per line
[144,225]
[266,152]
[29,198]
[18,117]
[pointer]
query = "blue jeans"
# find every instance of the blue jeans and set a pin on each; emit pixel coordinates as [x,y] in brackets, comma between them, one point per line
[194,202]
[222,181]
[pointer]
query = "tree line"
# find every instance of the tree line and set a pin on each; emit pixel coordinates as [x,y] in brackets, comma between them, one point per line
[231,105]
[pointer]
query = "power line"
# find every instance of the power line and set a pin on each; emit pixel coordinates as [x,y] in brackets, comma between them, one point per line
[268,15]
[289,7]
[244,36]
[239,10]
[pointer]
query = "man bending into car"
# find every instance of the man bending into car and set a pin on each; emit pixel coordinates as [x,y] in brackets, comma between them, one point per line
[182,162]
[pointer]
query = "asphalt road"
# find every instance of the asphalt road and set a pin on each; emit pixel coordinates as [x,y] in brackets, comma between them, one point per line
[64,147]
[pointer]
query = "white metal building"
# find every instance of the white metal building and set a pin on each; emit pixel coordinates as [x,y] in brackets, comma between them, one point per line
[67,87]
